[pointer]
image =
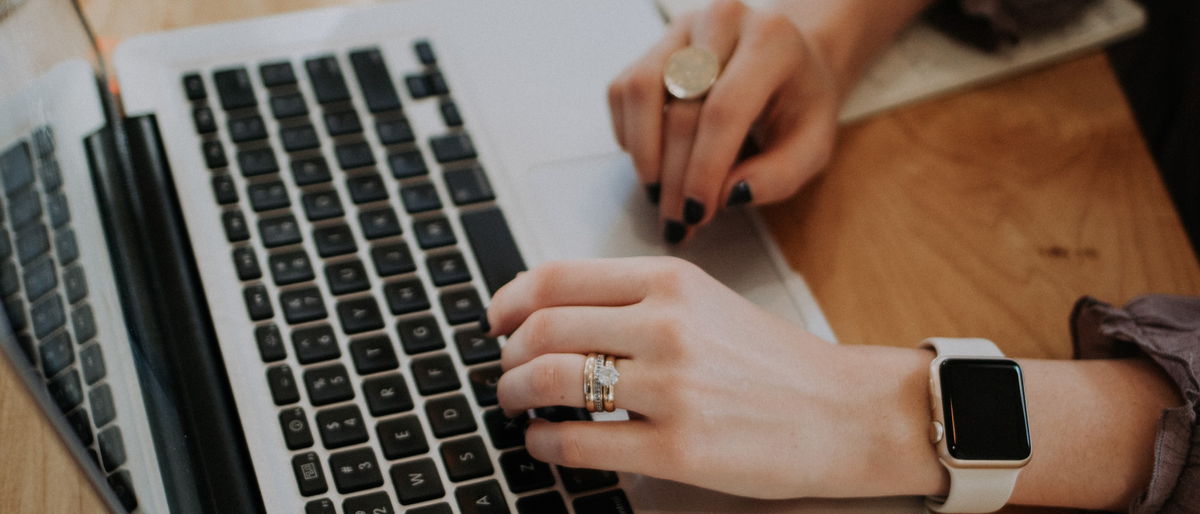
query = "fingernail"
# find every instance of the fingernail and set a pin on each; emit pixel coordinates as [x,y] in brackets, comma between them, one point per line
[740,195]
[653,192]
[674,232]
[484,326]
[693,211]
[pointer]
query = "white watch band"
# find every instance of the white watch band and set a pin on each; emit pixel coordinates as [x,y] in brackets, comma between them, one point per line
[972,490]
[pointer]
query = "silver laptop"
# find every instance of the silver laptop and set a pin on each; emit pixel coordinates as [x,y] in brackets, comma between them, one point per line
[253,283]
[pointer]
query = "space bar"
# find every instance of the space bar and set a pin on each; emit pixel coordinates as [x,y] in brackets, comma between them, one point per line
[495,251]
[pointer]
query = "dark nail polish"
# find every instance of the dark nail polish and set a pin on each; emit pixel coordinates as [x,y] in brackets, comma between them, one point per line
[674,232]
[693,211]
[653,192]
[484,326]
[740,195]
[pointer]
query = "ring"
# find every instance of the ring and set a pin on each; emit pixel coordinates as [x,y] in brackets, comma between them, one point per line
[599,380]
[589,380]
[690,72]
[607,376]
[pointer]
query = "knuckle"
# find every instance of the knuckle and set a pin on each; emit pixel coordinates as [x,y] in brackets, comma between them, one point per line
[544,377]
[544,277]
[774,25]
[568,449]
[725,10]
[538,333]
[642,85]
[718,110]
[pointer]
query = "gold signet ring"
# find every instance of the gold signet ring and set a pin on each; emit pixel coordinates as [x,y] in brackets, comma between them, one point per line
[690,71]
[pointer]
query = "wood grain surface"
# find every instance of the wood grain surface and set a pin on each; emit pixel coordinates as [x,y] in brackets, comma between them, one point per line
[982,214]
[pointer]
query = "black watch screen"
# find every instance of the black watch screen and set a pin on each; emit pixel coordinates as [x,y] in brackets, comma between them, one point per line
[983,401]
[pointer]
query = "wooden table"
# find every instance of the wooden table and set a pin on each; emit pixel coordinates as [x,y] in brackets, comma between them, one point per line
[987,213]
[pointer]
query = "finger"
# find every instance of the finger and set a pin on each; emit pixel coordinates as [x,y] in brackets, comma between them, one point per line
[624,446]
[609,330]
[557,379]
[595,282]
[679,130]
[616,109]
[642,96]
[778,173]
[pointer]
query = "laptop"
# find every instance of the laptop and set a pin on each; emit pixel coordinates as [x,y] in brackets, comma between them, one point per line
[251,281]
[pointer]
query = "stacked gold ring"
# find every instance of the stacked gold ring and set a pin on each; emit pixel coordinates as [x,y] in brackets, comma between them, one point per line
[599,380]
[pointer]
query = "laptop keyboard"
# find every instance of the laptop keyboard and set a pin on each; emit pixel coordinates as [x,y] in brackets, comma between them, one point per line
[46,298]
[366,265]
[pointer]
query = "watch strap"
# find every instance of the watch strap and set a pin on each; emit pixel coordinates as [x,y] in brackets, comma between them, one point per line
[975,490]
[962,347]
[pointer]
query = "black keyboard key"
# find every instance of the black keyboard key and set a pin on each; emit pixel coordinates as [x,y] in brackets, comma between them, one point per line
[560,413]
[394,132]
[401,437]
[245,261]
[450,416]
[437,83]
[335,240]
[372,355]
[235,226]
[15,308]
[375,80]
[468,186]
[303,305]
[270,343]
[32,241]
[309,475]
[525,473]
[307,172]
[545,503]
[259,161]
[249,128]
[392,259]
[347,277]
[193,87]
[266,196]
[327,80]
[283,385]
[355,470]
[67,246]
[277,74]
[76,284]
[57,210]
[321,506]
[234,88]
[315,344]
[481,498]
[91,361]
[56,353]
[578,480]
[450,113]
[448,269]
[329,384]
[224,189]
[299,138]
[505,432]
[84,323]
[484,381]
[418,86]
[288,106]
[342,123]
[452,147]
[424,53]
[103,408]
[474,347]
[291,267]
[359,315]
[435,375]
[379,223]
[66,390]
[420,198]
[202,117]
[406,296]
[40,278]
[258,303]
[434,233]
[51,175]
[608,502]
[407,164]
[495,250]
[468,458]
[374,503]
[122,486]
[9,279]
[24,207]
[354,155]
[16,168]
[417,481]
[387,394]
[420,335]
[214,154]
[112,448]
[367,188]
[47,315]
[322,205]
[462,306]
[279,231]
[296,433]
[341,427]
[82,426]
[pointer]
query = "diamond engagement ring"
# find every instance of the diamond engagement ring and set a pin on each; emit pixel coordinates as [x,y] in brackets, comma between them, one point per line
[607,377]
[599,378]
[690,71]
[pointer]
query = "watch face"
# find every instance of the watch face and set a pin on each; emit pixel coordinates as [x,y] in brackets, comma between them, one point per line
[983,401]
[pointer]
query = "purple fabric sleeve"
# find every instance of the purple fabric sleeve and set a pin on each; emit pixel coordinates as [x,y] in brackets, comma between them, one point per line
[1167,330]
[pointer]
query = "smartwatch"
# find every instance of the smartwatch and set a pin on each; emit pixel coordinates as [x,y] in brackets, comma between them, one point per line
[980,424]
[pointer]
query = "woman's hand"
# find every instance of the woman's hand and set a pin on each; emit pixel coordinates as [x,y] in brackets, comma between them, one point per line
[774,88]
[721,394]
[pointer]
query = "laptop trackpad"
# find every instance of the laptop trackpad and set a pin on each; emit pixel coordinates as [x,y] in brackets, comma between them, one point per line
[595,207]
